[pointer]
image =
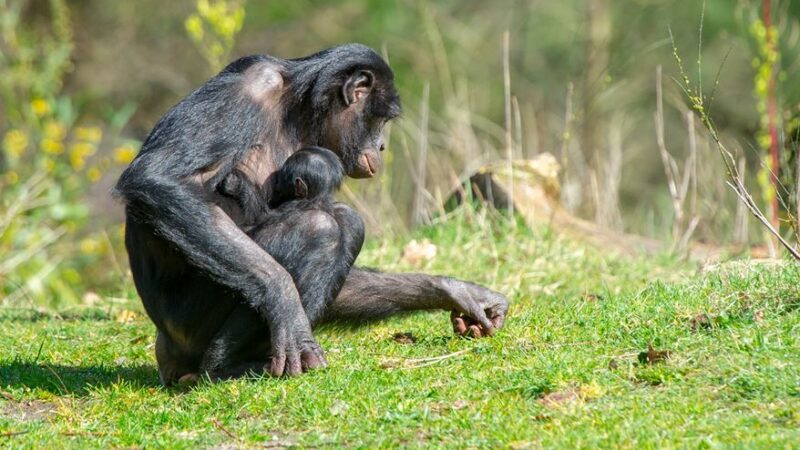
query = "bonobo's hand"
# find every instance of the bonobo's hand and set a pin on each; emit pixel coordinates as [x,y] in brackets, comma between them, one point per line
[294,349]
[476,310]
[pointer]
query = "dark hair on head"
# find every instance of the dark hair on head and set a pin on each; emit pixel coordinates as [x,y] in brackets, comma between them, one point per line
[319,168]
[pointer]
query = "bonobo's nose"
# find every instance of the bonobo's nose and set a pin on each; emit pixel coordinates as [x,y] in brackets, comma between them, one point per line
[382,147]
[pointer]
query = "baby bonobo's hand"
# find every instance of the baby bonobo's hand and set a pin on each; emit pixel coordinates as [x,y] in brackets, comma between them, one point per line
[476,310]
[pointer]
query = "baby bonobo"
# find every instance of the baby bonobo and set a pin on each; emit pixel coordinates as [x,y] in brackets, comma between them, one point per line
[309,177]
[305,184]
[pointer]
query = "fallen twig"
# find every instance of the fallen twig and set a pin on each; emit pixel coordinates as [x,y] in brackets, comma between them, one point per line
[13,433]
[420,362]
[222,428]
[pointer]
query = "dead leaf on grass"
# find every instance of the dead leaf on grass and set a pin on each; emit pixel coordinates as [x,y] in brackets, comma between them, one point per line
[591,298]
[579,394]
[404,338]
[700,321]
[653,356]
[415,253]
[126,316]
[560,398]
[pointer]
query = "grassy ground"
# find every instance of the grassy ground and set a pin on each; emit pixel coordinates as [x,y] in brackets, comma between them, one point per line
[567,371]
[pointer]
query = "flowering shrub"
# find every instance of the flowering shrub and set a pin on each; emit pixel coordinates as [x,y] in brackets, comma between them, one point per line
[48,162]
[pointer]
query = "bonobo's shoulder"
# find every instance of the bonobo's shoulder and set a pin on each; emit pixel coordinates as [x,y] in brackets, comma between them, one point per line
[246,62]
[258,76]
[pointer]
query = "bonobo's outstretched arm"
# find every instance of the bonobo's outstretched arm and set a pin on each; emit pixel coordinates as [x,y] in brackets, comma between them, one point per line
[368,295]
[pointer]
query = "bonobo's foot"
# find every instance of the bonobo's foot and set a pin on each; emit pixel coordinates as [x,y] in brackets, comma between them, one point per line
[476,310]
[294,352]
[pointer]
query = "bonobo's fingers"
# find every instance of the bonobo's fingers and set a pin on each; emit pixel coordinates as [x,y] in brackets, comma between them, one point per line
[474,331]
[498,318]
[293,366]
[312,359]
[459,326]
[294,352]
[276,365]
[477,306]
[466,326]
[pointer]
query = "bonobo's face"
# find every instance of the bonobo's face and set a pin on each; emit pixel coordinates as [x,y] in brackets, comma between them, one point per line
[355,131]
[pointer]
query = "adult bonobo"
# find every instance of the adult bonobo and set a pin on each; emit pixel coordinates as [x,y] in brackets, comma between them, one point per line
[192,261]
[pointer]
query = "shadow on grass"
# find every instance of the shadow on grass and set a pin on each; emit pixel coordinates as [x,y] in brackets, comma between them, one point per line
[74,380]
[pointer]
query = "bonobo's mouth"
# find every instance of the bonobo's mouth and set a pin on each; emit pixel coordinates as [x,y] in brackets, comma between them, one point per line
[367,164]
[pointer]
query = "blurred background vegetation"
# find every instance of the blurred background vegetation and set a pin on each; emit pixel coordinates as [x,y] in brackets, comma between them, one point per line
[83,81]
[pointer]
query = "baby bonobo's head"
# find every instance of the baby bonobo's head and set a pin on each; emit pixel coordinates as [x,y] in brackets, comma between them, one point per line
[310,173]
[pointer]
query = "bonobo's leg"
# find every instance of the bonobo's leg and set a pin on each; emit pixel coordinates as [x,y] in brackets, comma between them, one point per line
[317,249]
[368,295]
[187,307]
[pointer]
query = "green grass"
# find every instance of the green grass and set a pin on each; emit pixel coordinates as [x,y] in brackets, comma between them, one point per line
[565,372]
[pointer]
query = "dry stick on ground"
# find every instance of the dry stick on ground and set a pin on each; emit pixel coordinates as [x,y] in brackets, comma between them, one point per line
[735,181]
[740,222]
[222,428]
[678,184]
[566,137]
[421,362]
[419,196]
[518,128]
[509,142]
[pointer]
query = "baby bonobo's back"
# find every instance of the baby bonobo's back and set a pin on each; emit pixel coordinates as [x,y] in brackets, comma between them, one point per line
[312,174]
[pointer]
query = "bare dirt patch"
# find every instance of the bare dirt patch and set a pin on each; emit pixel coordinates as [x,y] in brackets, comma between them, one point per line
[29,410]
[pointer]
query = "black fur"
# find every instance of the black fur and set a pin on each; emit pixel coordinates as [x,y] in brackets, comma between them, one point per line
[204,263]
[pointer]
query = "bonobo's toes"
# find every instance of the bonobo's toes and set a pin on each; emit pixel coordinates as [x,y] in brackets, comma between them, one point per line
[189,380]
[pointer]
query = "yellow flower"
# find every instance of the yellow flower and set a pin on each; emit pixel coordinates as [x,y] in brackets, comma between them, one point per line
[89,246]
[89,134]
[124,154]
[40,107]
[15,142]
[194,26]
[49,165]
[11,177]
[83,148]
[52,147]
[55,130]
[93,174]
[77,160]
[203,7]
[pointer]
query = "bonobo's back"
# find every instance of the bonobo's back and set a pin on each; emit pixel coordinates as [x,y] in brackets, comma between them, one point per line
[311,173]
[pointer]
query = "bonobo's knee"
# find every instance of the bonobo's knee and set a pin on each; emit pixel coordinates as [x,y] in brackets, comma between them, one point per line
[321,224]
[352,226]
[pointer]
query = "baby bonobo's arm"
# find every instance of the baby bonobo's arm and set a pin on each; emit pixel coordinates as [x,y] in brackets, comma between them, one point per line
[248,196]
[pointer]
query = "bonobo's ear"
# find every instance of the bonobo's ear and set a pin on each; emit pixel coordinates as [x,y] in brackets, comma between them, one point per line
[357,86]
[300,188]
